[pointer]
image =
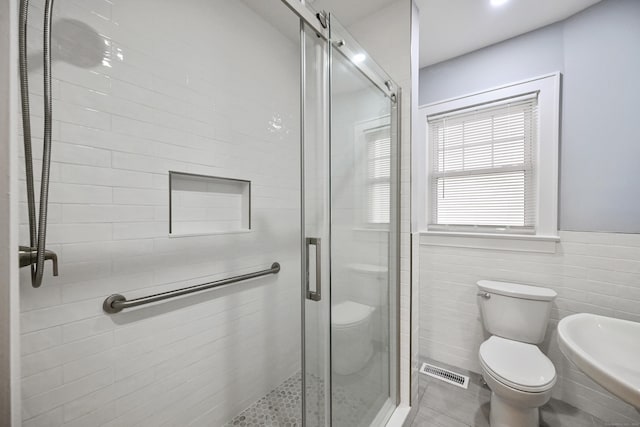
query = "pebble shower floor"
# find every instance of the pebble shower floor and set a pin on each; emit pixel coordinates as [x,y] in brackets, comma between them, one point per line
[281,407]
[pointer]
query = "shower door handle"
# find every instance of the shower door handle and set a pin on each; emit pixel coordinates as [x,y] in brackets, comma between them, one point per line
[317,294]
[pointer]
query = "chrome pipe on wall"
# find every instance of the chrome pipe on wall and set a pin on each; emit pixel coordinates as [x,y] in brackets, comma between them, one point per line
[35,254]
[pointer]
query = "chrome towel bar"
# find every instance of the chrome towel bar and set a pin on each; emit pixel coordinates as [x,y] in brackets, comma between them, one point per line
[116,302]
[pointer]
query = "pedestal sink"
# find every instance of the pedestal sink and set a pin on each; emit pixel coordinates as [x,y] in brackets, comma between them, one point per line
[605,349]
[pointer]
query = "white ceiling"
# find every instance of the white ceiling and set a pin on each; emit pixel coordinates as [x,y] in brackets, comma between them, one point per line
[347,12]
[449,28]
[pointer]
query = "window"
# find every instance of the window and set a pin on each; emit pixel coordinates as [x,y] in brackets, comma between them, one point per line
[482,166]
[378,147]
[492,161]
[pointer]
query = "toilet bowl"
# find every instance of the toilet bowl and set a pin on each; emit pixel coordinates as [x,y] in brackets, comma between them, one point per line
[519,375]
[351,336]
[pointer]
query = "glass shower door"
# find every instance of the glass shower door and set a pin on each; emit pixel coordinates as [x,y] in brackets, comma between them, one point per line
[350,231]
[315,226]
[363,234]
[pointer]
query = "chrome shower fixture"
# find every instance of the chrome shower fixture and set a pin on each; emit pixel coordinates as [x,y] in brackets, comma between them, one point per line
[35,254]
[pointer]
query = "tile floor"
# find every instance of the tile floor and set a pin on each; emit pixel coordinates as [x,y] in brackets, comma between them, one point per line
[441,405]
[281,407]
[444,405]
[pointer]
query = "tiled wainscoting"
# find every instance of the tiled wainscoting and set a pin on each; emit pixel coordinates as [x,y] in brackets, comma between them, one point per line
[592,272]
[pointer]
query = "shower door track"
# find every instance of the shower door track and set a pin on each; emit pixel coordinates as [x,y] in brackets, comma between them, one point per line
[376,75]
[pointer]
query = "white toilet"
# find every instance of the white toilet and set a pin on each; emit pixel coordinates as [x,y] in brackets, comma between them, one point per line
[351,336]
[519,375]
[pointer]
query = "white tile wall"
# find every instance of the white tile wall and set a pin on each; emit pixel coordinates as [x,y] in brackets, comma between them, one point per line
[592,272]
[204,87]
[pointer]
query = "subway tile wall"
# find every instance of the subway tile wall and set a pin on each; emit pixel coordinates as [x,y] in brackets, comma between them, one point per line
[141,88]
[591,272]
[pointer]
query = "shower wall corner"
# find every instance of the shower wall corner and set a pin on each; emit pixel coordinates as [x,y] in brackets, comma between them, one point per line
[9,304]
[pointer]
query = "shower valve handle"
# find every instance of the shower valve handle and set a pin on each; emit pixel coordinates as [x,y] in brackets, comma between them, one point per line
[28,256]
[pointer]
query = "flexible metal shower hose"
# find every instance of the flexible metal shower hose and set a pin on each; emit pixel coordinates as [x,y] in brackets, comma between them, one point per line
[37,234]
[26,124]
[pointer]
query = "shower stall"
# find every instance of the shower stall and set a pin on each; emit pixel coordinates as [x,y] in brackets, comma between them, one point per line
[223,211]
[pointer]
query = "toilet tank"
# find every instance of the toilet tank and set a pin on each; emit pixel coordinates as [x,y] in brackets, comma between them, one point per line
[514,311]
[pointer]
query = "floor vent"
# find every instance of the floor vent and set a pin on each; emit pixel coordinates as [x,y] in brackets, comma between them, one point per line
[445,375]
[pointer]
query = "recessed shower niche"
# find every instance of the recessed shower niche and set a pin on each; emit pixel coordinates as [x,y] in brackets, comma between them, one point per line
[201,204]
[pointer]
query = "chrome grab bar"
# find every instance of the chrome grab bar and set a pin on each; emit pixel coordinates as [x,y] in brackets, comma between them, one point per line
[317,294]
[116,303]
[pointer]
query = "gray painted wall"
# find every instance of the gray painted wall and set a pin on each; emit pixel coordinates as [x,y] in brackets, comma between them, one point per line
[598,52]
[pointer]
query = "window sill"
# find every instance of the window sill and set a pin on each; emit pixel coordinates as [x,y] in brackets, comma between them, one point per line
[500,242]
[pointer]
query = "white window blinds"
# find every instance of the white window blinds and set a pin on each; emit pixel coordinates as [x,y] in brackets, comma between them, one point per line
[378,175]
[483,166]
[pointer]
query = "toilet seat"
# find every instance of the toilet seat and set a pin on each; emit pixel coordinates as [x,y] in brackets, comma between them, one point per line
[517,365]
[348,314]
[351,337]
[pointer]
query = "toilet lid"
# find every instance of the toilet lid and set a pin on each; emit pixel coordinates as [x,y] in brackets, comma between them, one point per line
[517,364]
[349,312]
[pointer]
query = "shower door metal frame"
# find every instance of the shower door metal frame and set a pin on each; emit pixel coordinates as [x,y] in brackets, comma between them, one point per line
[320,22]
[370,69]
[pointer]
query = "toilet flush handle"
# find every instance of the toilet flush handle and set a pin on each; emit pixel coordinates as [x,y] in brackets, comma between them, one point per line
[486,295]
